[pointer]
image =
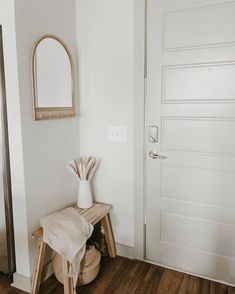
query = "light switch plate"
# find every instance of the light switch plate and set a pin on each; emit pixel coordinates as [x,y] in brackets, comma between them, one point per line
[117,134]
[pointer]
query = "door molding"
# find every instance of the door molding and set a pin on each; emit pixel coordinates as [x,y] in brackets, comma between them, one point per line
[139,128]
[6,173]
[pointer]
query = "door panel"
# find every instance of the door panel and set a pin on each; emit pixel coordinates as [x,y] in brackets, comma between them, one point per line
[193,134]
[190,196]
[199,83]
[211,25]
[214,237]
[198,185]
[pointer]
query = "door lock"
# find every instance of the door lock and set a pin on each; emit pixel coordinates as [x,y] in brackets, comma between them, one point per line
[153,134]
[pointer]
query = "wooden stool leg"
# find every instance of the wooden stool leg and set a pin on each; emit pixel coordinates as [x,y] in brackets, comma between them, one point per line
[68,282]
[38,267]
[106,224]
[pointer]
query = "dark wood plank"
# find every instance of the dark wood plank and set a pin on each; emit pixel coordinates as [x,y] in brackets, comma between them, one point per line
[5,286]
[125,276]
[109,268]
[204,287]
[170,282]
[193,285]
[218,288]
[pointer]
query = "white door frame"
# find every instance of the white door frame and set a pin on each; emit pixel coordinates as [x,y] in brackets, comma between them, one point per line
[139,128]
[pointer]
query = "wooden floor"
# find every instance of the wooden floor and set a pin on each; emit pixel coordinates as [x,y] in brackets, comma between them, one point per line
[124,276]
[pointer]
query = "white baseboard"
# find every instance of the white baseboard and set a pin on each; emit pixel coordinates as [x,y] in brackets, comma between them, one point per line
[21,282]
[24,283]
[125,251]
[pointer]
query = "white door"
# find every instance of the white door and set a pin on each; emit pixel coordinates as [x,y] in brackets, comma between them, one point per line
[190,196]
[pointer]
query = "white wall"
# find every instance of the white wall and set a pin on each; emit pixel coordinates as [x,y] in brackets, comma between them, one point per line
[105,50]
[47,145]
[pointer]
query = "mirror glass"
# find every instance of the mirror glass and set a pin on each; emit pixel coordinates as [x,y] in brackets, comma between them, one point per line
[52,79]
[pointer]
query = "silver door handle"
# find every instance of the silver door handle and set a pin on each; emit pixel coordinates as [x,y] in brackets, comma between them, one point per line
[154,155]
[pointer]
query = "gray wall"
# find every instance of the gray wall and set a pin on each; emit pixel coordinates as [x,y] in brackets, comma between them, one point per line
[47,145]
[105,50]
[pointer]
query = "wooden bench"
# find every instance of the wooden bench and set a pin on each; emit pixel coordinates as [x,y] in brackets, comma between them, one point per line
[98,212]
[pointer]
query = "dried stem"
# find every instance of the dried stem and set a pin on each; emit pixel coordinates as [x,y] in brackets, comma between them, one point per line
[84,168]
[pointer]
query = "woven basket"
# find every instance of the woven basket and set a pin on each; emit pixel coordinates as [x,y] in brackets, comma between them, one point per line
[90,266]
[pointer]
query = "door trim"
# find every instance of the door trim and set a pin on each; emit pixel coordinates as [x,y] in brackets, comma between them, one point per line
[6,168]
[139,127]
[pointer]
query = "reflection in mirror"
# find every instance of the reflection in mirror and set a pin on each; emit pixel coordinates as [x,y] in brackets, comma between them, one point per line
[53,84]
[53,75]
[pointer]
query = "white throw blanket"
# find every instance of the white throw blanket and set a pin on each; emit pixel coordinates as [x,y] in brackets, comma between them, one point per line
[66,232]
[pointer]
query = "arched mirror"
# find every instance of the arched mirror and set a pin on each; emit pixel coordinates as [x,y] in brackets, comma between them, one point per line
[53,79]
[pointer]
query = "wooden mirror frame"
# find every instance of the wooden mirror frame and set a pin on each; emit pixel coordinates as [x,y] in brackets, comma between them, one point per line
[44,113]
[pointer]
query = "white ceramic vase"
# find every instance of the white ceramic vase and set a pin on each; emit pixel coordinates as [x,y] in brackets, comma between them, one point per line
[84,195]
